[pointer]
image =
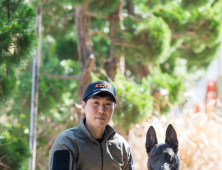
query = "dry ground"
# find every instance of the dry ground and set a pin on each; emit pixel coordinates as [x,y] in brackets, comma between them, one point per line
[199,135]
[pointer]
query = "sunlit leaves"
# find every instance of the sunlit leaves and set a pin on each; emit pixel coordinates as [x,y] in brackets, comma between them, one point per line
[14,151]
[152,40]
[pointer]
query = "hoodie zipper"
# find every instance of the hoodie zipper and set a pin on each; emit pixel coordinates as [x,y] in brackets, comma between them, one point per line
[102,155]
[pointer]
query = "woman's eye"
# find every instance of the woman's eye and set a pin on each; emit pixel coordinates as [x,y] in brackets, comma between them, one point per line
[96,102]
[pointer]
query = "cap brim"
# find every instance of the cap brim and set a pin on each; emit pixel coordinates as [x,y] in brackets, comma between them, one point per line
[101,91]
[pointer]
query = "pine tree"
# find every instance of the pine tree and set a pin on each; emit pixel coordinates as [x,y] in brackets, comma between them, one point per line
[17,38]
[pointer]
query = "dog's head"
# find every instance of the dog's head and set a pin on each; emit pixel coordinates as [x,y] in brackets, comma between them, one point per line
[162,156]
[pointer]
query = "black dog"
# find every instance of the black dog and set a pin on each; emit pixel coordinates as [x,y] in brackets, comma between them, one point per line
[162,156]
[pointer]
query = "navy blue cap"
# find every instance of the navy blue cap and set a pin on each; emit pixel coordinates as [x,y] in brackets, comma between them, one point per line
[97,87]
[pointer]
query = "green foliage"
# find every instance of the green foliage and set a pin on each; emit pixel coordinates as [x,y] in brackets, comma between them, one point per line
[17,39]
[153,30]
[169,65]
[207,30]
[202,59]
[174,84]
[176,18]
[191,5]
[130,27]
[16,152]
[204,32]
[94,77]
[149,5]
[50,90]
[134,102]
[101,49]
[53,14]
[67,49]
[203,24]
[7,82]
[53,95]
[98,23]
[17,31]
[59,15]
[103,7]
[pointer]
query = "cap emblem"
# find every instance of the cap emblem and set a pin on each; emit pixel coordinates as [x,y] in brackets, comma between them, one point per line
[103,85]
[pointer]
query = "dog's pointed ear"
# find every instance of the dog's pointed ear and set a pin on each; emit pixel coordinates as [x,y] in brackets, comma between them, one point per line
[171,138]
[151,139]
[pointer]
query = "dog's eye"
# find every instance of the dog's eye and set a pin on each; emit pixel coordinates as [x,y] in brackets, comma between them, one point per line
[155,157]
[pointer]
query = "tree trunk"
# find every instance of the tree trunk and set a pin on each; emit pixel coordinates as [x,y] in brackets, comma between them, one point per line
[35,92]
[113,62]
[130,7]
[144,70]
[121,65]
[111,68]
[85,51]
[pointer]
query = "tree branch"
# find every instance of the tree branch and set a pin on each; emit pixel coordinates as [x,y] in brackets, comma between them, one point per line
[8,10]
[96,15]
[64,20]
[1,161]
[61,76]
[180,35]
[40,165]
[125,44]
[3,157]
[5,144]
[125,15]
[4,165]
[89,65]
[184,47]
[96,31]
[121,18]
[77,106]
[103,72]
